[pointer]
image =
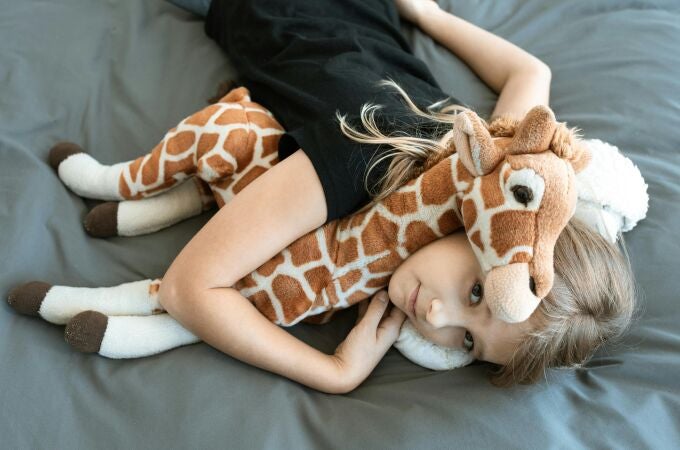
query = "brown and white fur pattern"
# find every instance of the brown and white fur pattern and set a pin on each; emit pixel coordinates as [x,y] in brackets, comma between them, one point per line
[510,184]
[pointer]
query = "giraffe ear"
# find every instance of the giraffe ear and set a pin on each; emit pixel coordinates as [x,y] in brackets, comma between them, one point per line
[567,145]
[535,132]
[474,144]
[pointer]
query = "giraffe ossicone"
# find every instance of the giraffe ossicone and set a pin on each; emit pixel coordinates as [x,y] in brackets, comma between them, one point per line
[509,190]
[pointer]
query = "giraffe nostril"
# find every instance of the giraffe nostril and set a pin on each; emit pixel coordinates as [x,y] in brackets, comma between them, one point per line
[522,194]
[532,285]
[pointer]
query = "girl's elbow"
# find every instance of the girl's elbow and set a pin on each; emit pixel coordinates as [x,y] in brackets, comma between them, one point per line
[540,69]
[176,294]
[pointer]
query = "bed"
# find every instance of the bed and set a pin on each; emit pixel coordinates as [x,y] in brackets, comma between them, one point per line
[115,75]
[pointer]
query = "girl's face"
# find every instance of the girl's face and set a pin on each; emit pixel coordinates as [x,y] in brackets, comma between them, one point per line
[439,288]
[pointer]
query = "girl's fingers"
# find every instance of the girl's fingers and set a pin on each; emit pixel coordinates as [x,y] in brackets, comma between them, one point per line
[389,327]
[376,309]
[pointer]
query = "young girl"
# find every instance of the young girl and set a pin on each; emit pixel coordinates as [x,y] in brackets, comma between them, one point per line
[304,66]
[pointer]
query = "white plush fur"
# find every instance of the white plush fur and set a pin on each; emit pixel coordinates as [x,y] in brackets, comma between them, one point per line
[62,302]
[612,195]
[427,354]
[138,336]
[88,178]
[150,214]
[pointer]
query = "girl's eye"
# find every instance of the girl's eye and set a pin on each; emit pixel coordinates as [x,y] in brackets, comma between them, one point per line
[476,293]
[468,342]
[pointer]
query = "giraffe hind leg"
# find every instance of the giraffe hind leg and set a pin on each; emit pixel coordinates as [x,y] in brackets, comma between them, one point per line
[137,217]
[126,336]
[58,304]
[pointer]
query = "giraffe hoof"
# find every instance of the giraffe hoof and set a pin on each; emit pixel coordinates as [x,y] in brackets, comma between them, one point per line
[28,297]
[61,151]
[85,331]
[102,220]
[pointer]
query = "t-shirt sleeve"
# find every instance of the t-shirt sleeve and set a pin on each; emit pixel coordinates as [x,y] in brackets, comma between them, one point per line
[340,163]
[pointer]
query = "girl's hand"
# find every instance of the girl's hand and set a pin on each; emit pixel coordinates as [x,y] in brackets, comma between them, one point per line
[412,10]
[369,340]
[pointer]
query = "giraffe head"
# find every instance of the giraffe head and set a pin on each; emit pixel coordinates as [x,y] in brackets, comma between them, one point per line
[517,180]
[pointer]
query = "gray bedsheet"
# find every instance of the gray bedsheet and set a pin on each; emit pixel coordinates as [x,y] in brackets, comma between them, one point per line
[115,75]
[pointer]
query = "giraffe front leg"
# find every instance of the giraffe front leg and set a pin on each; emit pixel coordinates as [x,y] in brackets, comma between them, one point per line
[136,217]
[58,304]
[126,336]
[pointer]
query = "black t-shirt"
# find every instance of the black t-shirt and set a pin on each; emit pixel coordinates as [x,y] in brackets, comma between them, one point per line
[306,59]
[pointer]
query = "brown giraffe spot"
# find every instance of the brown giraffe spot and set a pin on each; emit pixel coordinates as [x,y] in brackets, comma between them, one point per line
[379,235]
[185,166]
[520,257]
[270,144]
[418,234]
[180,143]
[459,203]
[329,232]
[463,174]
[469,212]
[154,288]
[510,229]
[317,278]
[448,222]
[206,143]
[401,203]
[293,300]
[491,190]
[304,250]
[357,297]
[348,252]
[236,143]
[268,268]
[231,116]
[123,188]
[134,166]
[263,304]
[218,164]
[436,186]
[223,183]
[378,282]
[387,263]
[476,239]
[245,282]
[332,294]
[150,168]
[202,117]
[219,200]
[246,179]
[357,219]
[349,279]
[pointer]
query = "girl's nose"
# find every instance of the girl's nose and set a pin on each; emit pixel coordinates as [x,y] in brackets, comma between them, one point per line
[453,314]
[440,314]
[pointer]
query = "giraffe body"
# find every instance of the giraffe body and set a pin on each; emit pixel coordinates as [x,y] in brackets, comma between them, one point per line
[511,191]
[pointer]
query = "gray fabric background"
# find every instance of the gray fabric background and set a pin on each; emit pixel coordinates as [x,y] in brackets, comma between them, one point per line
[115,75]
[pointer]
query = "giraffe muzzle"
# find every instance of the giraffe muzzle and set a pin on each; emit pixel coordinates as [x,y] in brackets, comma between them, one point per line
[509,292]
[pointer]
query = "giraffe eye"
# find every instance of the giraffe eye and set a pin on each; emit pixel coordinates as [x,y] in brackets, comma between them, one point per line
[523,194]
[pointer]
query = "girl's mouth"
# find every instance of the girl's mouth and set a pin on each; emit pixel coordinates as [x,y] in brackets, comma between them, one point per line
[413,298]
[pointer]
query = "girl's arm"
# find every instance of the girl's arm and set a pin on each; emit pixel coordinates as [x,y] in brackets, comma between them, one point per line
[281,205]
[521,80]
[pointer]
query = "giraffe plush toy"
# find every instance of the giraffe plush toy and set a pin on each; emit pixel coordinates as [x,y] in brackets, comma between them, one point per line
[509,184]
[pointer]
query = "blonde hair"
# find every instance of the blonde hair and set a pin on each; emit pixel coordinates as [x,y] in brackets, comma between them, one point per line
[593,297]
[411,154]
